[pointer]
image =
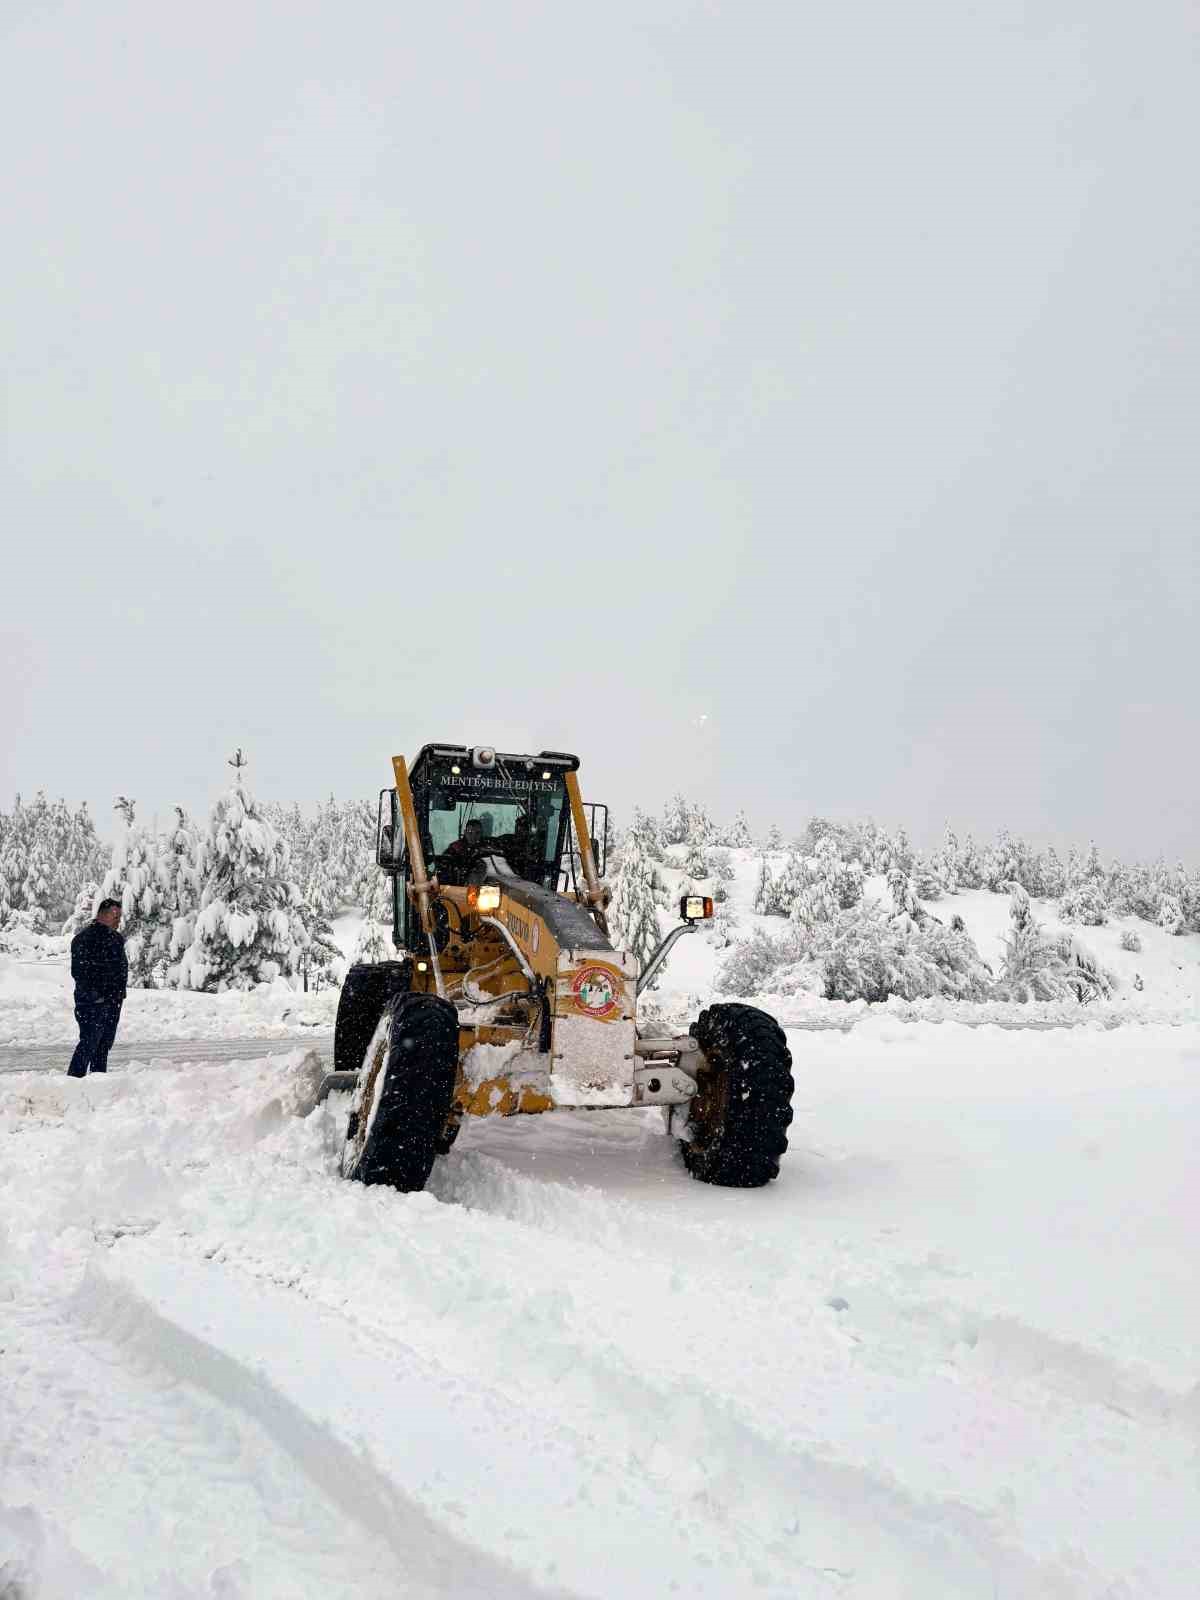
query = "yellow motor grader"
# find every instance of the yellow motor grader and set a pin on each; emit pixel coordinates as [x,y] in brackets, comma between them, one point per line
[508,995]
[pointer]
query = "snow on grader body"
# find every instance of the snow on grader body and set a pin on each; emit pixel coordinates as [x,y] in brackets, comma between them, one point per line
[509,996]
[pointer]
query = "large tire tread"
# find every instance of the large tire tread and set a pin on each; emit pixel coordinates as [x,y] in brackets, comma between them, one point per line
[741,1115]
[414,1095]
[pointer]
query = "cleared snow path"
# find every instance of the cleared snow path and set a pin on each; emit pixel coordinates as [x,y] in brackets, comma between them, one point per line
[55,1058]
[951,1353]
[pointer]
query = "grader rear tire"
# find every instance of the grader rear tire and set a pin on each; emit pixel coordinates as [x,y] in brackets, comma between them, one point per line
[739,1118]
[367,988]
[400,1117]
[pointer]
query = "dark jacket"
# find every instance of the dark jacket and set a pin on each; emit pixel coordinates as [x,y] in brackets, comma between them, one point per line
[98,963]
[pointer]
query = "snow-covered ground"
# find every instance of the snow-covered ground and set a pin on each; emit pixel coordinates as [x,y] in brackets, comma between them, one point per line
[36,1008]
[951,1352]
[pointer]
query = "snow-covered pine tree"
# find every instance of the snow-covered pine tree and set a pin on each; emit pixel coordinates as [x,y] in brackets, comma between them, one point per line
[633,916]
[1170,914]
[829,883]
[738,835]
[248,929]
[1093,867]
[700,828]
[721,872]
[927,879]
[907,907]
[1001,864]
[945,861]
[969,871]
[84,912]
[1084,902]
[675,821]
[1033,967]
[374,937]
[183,870]
[784,887]
[14,853]
[1054,876]
[696,863]
[324,861]
[900,851]
[320,959]
[649,829]
[762,887]
[137,878]
[36,890]
[722,931]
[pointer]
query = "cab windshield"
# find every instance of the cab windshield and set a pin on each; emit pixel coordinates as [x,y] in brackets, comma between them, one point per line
[513,818]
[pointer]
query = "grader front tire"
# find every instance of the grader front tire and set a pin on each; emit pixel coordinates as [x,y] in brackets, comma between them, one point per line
[402,1115]
[739,1118]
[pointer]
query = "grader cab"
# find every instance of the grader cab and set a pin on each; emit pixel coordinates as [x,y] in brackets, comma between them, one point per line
[508,995]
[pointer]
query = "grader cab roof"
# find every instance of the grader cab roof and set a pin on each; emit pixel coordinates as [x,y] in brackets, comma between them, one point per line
[559,760]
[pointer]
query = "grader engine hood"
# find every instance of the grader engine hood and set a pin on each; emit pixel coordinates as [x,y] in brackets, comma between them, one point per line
[593,1056]
[591,992]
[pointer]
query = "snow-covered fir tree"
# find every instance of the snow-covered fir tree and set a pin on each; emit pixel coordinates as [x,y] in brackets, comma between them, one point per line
[700,828]
[969,870]
[829,883]
[945,861]
[1170,914]
[46,852]
[784,886]
[762,887]
[737,835]
[633,915]
[84,912]
[248,929]
[1054,876]
[696,863]
[182,864]
[676,821]
[137,878]
[374,937]
[1033,967]
[905,902]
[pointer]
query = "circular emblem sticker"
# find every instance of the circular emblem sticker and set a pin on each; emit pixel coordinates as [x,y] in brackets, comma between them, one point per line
[595,991]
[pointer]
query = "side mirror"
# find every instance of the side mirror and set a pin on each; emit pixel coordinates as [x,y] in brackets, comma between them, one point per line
[389,838]
[695,907]
[598,828]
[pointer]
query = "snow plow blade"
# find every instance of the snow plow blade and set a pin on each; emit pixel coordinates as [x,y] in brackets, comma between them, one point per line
[336,1083]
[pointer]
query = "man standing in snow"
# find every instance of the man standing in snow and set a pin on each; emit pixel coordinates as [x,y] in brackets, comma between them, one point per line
[101,971]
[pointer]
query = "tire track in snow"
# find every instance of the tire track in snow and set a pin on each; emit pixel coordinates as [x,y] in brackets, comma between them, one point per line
[354,1492]
[427,1443]
[154,1490]
[759,1498]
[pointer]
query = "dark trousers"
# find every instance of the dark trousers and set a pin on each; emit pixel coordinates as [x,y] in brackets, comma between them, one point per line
[97,1021]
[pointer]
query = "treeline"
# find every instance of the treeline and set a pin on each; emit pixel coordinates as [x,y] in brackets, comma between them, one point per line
[1088,888]
[244,899]
[835,941]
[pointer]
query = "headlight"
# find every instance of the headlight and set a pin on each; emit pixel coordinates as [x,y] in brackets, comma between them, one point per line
[489,897]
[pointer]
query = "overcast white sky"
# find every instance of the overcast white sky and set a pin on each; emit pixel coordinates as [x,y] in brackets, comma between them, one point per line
[791,403]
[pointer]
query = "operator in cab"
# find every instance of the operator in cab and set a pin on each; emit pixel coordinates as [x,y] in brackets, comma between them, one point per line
[457,859]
